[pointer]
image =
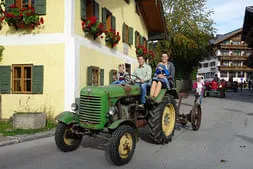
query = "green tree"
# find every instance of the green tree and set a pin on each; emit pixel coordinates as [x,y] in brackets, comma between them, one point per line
[189,32]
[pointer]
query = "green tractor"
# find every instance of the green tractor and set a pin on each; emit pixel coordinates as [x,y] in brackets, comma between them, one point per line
[115,110]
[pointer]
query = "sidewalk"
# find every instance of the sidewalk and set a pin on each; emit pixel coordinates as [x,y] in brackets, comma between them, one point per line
[8,140]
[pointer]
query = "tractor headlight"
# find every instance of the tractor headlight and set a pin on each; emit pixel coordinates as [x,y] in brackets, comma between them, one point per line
[220,86]
[74,107]
[112,111]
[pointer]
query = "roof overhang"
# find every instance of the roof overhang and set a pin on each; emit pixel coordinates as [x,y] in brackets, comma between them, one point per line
[153,15]
[247,34]
[226,36]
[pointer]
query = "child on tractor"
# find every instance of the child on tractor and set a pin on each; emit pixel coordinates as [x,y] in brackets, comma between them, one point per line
[163,77]
[121,74]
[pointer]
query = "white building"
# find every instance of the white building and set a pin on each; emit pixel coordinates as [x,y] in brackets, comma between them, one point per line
[229,59]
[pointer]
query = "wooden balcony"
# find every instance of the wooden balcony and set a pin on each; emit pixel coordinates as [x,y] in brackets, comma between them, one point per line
[233,57]
[235,68]
[232,46]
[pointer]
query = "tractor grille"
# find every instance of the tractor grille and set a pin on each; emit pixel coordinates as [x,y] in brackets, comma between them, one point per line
[90,109]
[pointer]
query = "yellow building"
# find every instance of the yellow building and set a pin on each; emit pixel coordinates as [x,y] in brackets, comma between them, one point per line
[44,69]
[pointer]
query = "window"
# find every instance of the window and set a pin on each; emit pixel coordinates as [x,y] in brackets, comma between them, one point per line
[137,38]
[39,5]
[240,74]
[108,20]
[95,76]
[145,42]
[232,74]
[24,3]
[137,9]
[127,1]
[22,78]
[113,75]
[127,34]
[212,64]
[205,65]
[223,74]
[89,8]
[128,68]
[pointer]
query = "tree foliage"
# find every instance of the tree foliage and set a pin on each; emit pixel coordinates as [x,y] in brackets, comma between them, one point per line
[189,32]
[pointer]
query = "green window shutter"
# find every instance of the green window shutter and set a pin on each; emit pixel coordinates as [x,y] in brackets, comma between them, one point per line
[8,3]
[37,79]
[136,35]
[5,79]
[104,17]
[113,23]
[40,7]
[141,40]
[83,9]
[96,10]
[102,77]
[123,32]
[89,76]
[130,35]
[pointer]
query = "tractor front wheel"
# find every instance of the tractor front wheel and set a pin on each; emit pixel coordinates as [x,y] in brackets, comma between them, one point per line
[161,122]
[65,139]
[196,115]
[122,145]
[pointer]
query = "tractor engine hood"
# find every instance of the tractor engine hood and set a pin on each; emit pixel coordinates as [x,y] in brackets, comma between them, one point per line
[111,91]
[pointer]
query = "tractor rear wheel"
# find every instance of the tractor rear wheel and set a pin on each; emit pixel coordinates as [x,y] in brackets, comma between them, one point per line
[161,122]
[122,145]
[65,139]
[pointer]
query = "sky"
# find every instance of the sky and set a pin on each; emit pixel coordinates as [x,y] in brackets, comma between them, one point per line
[228,14]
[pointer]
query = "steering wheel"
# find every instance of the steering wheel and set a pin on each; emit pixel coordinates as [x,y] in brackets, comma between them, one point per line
[131,79]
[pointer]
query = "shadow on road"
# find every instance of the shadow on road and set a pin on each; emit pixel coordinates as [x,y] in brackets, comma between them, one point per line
[244,96]
[246,138]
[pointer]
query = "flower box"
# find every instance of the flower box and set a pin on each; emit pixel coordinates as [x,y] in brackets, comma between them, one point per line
[112,38]
[141,51]
[91,25]
[24,18]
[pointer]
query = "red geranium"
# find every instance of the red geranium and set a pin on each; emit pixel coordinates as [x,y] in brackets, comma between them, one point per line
[141,50]
[93,26]
[111,37]
[22,18]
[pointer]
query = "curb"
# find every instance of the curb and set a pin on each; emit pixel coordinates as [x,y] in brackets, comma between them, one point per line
[23,138]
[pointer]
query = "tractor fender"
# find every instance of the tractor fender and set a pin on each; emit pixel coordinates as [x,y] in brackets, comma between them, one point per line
[118,123]
[67,117]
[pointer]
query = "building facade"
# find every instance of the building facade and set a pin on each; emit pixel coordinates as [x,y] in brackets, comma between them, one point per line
[43,69]
[229,58]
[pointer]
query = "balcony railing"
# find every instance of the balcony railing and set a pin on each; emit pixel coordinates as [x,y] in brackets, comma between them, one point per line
[234,68]
[233,57]
[235,46]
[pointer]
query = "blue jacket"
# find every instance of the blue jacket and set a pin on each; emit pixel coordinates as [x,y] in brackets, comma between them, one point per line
[164,70]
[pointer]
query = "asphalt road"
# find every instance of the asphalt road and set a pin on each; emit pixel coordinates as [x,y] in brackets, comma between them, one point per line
[225,141]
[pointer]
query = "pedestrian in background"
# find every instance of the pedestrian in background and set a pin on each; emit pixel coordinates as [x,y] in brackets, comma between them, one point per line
[199,88]
[249,84]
